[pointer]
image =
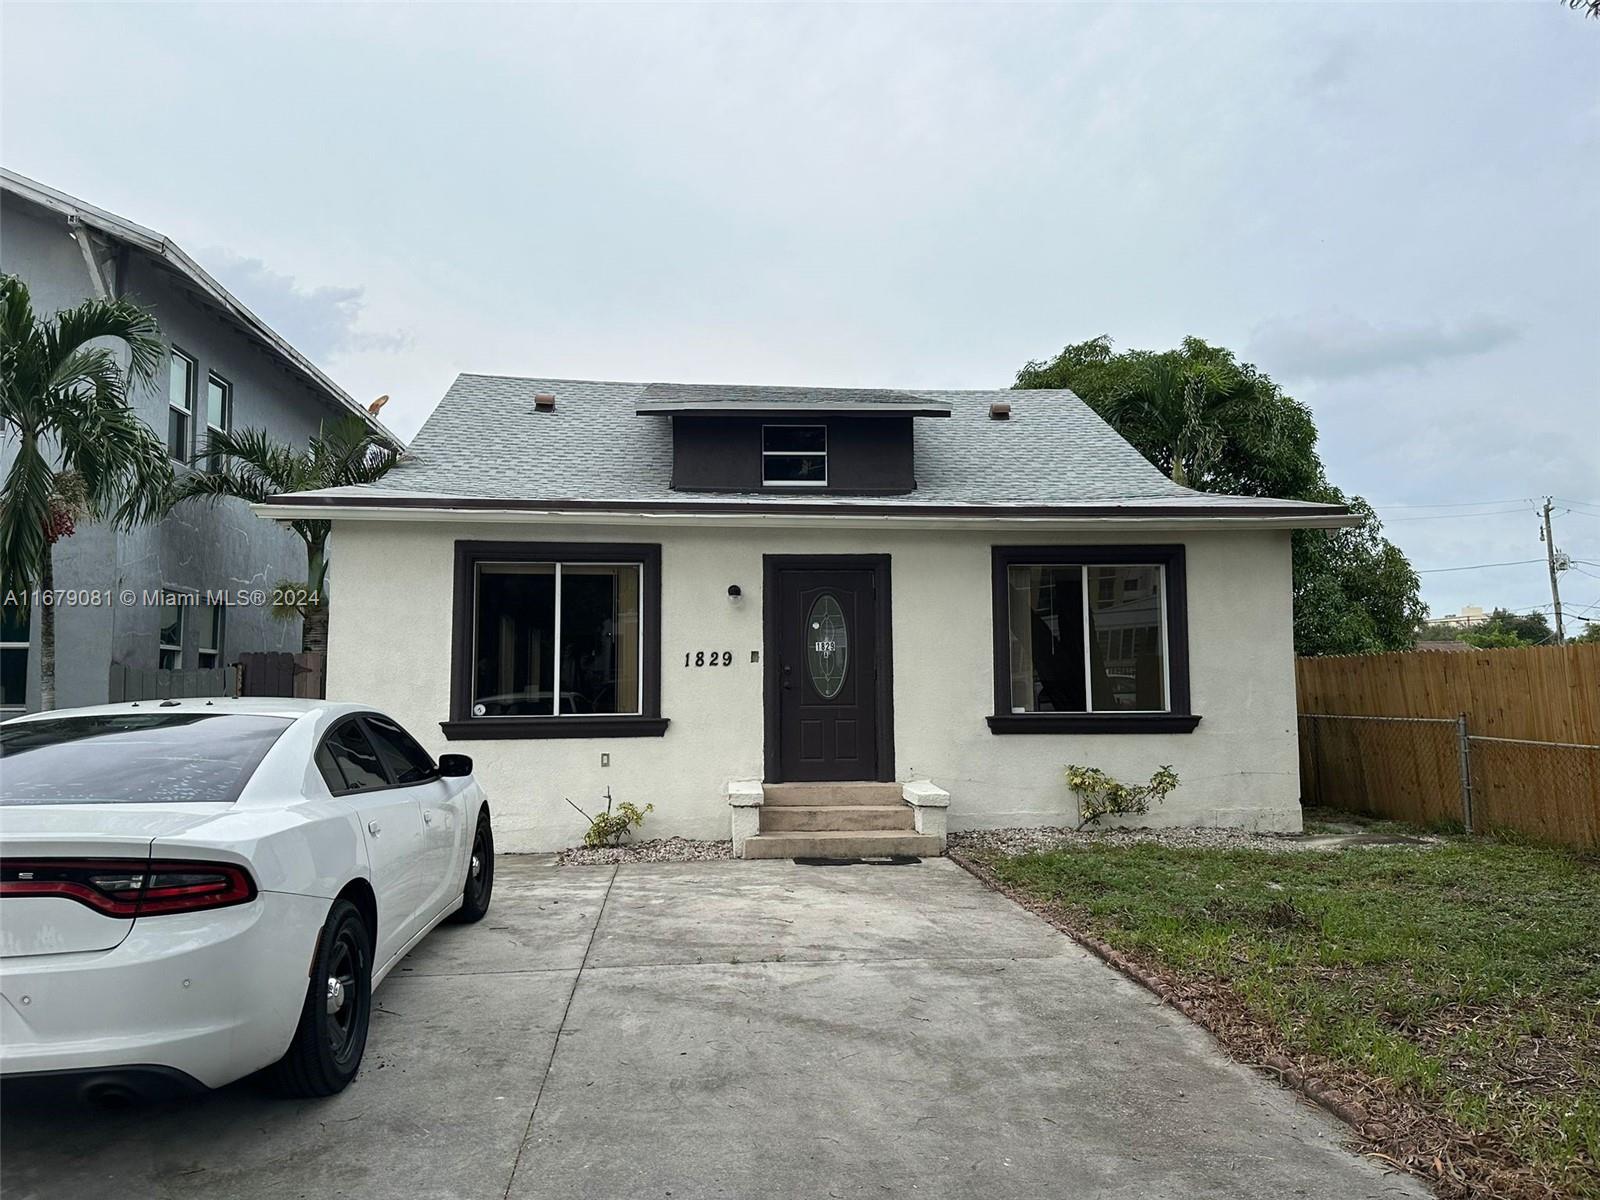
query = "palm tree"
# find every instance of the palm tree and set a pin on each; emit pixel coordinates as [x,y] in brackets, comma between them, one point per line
[249,465]
[81,451]
[1185,410]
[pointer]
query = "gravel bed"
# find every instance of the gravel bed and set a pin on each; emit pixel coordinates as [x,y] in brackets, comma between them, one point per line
[1031,840]
[659,850]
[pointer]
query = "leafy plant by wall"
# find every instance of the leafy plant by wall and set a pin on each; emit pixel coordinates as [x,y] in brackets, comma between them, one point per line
[1099,795]
[609,828]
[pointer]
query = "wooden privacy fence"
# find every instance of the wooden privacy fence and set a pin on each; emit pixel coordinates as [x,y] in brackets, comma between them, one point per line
[1541,693]
[255,674]
[1496,739]
[282,674]
[148,683]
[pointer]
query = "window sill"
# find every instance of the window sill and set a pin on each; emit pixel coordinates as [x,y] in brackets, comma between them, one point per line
[483,729]
[1093,723]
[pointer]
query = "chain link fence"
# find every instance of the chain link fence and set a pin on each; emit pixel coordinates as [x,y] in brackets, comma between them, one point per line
[1548,790]
[1403,768]
[1434,771]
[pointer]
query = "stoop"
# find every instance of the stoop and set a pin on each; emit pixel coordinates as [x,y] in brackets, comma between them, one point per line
[837,820]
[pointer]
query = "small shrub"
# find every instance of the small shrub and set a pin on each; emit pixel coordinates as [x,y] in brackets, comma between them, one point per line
[1100,795]
[611,827]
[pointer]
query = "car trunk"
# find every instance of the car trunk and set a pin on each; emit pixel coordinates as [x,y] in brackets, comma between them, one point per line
[33,837]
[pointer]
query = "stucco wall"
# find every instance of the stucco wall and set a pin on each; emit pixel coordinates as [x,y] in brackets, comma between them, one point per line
[199,547]
[390,647]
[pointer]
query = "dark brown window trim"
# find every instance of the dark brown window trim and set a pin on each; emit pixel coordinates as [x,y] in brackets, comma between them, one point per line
[487,729]
[1093,723]
[463,726]
[1178,718]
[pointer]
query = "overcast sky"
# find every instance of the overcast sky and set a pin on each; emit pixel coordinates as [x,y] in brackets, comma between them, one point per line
[1392,209]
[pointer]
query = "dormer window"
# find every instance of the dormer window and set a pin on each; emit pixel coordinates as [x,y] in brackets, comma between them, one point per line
[794,456]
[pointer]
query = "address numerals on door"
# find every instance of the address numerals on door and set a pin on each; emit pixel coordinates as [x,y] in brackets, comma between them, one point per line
[708,658]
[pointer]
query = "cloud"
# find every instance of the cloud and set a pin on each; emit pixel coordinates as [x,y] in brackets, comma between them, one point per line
[320,322]
[1340,346]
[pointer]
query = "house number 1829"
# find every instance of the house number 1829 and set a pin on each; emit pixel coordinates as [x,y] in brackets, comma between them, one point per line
[707,658]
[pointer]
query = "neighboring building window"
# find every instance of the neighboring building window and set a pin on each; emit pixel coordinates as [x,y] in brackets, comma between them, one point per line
[180,405]
[212,618]
[794,455]
[13,658]
[1090,639]
[219,413]
[171,637]
[556,640]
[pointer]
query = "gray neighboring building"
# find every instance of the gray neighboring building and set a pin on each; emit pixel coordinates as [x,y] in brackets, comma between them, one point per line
[224,366]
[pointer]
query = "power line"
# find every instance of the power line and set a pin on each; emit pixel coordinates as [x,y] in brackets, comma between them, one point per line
[1521,562]
[1463,503]
[1456,516]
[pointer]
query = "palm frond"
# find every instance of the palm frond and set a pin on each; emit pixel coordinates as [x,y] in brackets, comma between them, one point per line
[124,467]
[136,329]
[350,453]
[24,511]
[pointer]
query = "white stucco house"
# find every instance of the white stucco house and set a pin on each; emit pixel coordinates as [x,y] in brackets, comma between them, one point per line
[830,621]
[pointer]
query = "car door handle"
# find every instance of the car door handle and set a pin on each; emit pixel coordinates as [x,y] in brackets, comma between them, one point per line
[374,828]
[427,817]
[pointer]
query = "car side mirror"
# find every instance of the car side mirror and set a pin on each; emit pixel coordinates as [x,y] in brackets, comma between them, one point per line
[453,766]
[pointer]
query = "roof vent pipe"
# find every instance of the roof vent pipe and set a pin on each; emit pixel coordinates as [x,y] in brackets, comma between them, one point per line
[544,402]
[1000,410]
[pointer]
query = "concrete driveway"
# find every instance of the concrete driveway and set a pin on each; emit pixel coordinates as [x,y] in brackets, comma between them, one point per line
[734,1029]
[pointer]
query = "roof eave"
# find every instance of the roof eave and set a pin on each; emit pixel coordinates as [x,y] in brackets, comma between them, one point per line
[436,508]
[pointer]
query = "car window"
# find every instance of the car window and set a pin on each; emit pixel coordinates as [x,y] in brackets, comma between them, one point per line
[134,758]
[348,762]
[408,762]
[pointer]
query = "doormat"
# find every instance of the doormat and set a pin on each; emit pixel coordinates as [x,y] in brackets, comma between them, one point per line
[888,860]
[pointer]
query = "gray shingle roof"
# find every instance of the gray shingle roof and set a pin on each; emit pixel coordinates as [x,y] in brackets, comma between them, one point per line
[486,441]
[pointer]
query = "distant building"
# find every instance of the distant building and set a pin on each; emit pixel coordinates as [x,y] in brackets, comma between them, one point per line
[225,368]
[1470,615]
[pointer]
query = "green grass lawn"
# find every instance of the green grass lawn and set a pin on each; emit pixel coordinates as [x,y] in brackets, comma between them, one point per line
[1467,974]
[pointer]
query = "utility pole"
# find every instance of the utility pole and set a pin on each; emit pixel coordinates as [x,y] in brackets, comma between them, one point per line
[1549,540]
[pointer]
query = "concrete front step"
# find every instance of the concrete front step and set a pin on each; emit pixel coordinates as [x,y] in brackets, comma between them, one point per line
[842,843]
[815,795]
[787,818]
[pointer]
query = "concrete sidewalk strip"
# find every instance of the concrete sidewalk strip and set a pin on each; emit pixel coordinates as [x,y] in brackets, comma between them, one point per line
[733,1029]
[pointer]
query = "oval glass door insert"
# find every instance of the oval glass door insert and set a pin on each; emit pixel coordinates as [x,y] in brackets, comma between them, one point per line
[827,646]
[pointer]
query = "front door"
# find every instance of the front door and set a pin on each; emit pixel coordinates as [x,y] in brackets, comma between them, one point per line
[829,645]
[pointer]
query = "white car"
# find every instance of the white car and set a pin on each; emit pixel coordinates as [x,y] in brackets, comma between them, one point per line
[193,890]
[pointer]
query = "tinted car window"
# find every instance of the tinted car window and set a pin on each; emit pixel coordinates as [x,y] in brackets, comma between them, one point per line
[348,762]
[408,762]
[143,758]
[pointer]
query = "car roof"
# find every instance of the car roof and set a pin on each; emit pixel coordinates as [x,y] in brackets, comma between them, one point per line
[257,706]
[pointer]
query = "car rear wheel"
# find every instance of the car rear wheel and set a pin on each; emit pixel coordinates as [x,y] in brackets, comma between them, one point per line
[480,875]
[332,1036]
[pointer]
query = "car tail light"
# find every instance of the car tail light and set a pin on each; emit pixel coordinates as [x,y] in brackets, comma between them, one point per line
[129,887]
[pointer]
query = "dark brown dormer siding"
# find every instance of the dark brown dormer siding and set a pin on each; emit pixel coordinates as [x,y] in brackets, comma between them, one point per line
[867,455]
